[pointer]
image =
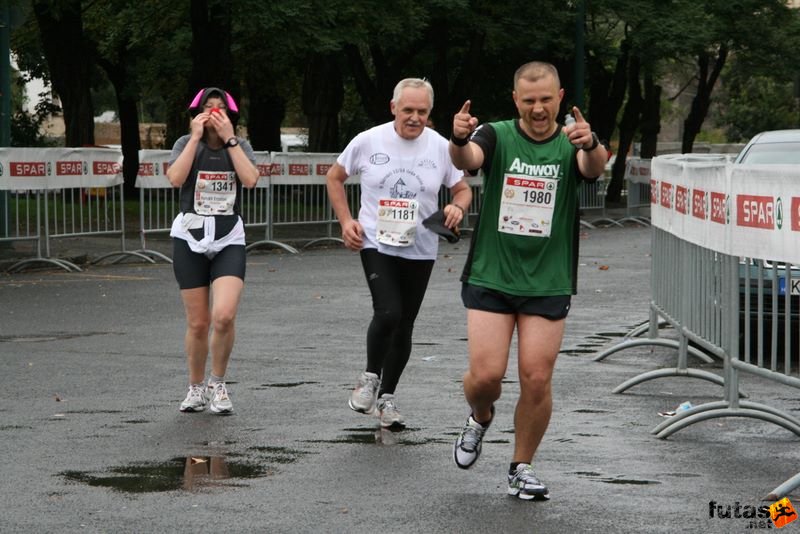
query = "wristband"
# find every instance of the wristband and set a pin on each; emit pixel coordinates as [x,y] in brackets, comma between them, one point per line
[595,142]
[459,142]
[459,207]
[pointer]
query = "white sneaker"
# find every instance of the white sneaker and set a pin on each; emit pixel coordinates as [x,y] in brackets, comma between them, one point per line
[524,484]
[365,394]
[387,408]
[195,400]
[219,402]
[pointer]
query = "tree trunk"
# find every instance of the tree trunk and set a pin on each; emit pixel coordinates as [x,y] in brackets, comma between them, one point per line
[323,95]
[651,117]
[607,92]
[702,100]
[266,113]
[627,130]
[212,62]
[121,78]
[69,61]
[375,96]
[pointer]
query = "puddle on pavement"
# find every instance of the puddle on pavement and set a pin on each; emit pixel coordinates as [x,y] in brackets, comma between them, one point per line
[380,436]
[57,336]
[185,473]
[615,480]
[285,385]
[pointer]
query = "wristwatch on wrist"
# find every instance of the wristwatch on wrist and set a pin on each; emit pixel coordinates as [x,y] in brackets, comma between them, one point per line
[595,142]
[231,142]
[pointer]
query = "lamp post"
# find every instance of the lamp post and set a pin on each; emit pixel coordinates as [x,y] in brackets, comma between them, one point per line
[5,100]
[580,16]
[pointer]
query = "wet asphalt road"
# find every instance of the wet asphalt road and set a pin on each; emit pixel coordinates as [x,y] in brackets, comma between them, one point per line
[93,442]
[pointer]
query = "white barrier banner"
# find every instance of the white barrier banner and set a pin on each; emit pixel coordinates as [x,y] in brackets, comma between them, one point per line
[300,167]
[739,210]
[264,165]
[637,170]
[153,165]
[25,169]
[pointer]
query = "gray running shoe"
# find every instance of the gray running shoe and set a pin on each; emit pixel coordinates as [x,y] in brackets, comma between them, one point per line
[467,448]
[364,396]
[218,400]
[524,484]
[387,408]
[195,400]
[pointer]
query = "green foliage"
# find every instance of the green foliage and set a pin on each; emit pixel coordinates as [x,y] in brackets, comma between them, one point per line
[26,128]
[753,104]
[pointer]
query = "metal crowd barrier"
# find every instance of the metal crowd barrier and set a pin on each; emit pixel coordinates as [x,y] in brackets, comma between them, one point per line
[592,198]
[21,219]
[79,193]
[715,225]
[158,200]
[637,184]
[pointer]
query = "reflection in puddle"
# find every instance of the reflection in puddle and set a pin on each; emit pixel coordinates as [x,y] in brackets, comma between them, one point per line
[285,385]
[380,435]
[188,473]
[615,480]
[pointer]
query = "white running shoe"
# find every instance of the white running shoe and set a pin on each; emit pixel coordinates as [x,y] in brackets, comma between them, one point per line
[524,484]
[195,400]
[219,402]
[467,448]
[365,394]
[387,410]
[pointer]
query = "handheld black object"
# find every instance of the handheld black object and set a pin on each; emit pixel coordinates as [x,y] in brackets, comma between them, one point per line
[435,223]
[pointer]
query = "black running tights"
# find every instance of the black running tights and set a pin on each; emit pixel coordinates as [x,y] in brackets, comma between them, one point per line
[397,286]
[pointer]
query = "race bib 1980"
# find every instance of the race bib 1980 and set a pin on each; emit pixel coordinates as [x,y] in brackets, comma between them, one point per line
[526,206]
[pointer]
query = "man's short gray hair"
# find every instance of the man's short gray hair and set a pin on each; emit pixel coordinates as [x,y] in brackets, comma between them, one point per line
[415,83]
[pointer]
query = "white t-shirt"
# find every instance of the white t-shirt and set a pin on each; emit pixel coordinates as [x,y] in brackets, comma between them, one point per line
[392,167]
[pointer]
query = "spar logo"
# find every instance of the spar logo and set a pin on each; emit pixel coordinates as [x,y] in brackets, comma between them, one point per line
[71,168]
[299,169]
[654,192]
[719,207]
[666,195]
[263,169]
[105,168]
[148,169]
[30,168]
[778,514]
[756,211]
[682,199]
[525,182]
[700,204]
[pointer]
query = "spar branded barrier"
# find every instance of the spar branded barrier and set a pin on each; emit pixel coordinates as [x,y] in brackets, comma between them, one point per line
[85,198]
[637,181]
[74,192]
[725,236]
[158,200]
[299,195]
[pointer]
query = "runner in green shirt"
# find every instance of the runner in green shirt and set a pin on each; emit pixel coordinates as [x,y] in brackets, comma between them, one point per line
[520,272]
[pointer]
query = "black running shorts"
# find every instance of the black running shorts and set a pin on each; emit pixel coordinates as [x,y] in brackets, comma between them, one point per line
[193,269]
[485,299]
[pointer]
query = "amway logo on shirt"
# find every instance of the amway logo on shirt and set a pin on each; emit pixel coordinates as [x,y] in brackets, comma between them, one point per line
[551,169]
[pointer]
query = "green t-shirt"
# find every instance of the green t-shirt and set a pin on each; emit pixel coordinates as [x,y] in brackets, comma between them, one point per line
[526,240]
